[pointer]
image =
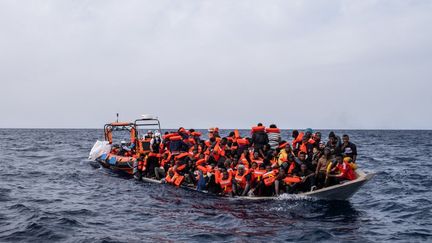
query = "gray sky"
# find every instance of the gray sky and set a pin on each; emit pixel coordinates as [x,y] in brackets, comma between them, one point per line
[320,64]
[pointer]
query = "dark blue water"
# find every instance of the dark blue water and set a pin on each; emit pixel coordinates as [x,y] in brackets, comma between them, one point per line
[49,192]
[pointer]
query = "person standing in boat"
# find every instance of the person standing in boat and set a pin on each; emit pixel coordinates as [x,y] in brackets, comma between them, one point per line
[334,144]
[259,138]
[348,149]
[274,136]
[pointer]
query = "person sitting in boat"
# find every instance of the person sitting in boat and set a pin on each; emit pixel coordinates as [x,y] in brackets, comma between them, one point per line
[307,179]
[306,146]
[124,148]
[225,182]
[241,182]
[321,168]
[165,163]
[342,171]
[297,138]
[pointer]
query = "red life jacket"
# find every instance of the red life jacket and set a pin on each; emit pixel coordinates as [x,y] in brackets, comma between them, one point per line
[346,171]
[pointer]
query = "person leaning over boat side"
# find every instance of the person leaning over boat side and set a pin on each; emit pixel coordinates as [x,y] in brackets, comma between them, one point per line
[340,171]
[348,149]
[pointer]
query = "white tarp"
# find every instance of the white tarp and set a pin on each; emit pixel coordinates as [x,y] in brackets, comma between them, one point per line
[99,148]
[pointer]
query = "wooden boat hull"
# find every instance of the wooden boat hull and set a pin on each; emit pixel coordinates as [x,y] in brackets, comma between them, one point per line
[337,192]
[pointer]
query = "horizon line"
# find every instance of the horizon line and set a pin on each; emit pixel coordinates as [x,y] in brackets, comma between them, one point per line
[360,129]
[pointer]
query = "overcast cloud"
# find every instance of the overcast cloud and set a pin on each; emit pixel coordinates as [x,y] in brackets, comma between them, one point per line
[320,64]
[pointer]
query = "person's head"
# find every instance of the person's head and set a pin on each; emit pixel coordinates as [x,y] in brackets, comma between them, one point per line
[223,141]
[273,126]
[339,159]
[241,169]
[259,124]
[254,165]
[345,139]
[327,151]
[262,166]
[256,155]
[290,157]
[224,174]
[295,133]
[332,135]
[231,134]
[308,132]
[171,173]
[303,167]
[321,145]
[245,152]
[318,136]
[302,156]
[305,139]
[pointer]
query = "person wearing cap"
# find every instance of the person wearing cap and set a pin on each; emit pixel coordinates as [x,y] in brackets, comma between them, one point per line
[124,148]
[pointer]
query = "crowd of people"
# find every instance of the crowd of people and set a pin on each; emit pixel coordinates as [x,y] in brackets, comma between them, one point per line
[262,164]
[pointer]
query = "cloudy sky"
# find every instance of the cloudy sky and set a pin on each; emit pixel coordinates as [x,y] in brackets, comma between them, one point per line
[322,64]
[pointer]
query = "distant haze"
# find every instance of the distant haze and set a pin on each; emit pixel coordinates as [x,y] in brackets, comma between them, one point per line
[320,64]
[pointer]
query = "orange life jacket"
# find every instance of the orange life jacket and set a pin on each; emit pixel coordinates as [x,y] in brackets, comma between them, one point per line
[297,140]
[292,179]
[242,141]
[226,184]
[258,174]
[258,129]
[272,130]
[269,178]
[241,179]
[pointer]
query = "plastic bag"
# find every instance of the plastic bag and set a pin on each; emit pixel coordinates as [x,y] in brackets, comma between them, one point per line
[99,148]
